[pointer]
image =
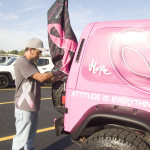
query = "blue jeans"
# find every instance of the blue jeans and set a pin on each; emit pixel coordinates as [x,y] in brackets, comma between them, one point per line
[26,126]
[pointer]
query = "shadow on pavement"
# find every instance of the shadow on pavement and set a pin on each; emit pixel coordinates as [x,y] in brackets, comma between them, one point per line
[60,145]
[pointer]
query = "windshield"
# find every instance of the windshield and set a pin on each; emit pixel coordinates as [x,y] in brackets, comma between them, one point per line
[9,61]
[2,59]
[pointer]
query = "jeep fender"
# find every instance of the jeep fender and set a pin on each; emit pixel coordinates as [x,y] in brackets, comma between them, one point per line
[112,114]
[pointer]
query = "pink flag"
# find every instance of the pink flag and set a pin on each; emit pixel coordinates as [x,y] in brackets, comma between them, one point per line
[61,38]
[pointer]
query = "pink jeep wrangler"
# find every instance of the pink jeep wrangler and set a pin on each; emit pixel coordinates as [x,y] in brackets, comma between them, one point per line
[107,95]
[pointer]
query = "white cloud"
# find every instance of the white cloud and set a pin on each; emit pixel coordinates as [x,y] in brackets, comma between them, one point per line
[17,39]
[8,17]
[32,8]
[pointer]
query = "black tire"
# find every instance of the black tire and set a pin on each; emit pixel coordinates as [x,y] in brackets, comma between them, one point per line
[114,139]
[4,81]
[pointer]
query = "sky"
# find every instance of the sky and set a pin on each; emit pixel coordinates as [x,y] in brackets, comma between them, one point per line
[21,20]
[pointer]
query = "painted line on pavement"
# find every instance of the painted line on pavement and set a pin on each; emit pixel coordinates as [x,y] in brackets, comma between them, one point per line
[13,101]
[15,88]
[38,131]
[6,89]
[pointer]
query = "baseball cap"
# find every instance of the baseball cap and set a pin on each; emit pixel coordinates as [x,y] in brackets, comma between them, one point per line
[36,43]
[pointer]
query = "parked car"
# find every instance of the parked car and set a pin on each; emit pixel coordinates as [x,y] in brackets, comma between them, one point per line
[5,57]
[106,102]
[7,74]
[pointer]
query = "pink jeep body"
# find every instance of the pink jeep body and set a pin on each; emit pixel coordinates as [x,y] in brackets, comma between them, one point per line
[111,68]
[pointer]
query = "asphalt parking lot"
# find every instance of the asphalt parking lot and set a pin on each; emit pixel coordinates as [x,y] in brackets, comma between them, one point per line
[45,138]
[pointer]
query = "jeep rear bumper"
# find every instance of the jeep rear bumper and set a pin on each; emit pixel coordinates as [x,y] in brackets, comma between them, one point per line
[59,122]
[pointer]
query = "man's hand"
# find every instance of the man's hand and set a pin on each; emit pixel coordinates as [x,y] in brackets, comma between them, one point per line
[45,77]
[54,79]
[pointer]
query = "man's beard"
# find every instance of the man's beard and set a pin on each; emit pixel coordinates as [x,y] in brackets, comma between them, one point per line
[34,61]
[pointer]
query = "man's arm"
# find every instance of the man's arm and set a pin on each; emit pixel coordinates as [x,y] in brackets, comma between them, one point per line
[44,77]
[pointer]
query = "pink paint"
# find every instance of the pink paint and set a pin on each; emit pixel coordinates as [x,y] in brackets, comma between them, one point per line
[62,42]
[114,68]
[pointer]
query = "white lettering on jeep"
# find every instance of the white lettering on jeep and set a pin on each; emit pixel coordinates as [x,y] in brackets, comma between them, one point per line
[94,68]
[122,100]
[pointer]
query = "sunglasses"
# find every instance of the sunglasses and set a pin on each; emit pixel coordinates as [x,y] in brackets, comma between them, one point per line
[37,51]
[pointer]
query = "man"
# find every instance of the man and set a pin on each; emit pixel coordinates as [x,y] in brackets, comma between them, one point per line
[28,94]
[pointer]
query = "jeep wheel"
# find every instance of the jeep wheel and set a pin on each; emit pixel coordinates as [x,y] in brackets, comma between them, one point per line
[4,81]
[114,139]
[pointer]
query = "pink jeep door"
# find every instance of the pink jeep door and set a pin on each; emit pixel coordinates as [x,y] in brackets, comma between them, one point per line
[116,59]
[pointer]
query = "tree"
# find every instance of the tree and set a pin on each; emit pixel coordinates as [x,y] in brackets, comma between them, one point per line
[2,52]
[16,52]
[22,52]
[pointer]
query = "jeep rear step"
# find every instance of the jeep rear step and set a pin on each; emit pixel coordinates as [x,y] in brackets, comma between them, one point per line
[59,125]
